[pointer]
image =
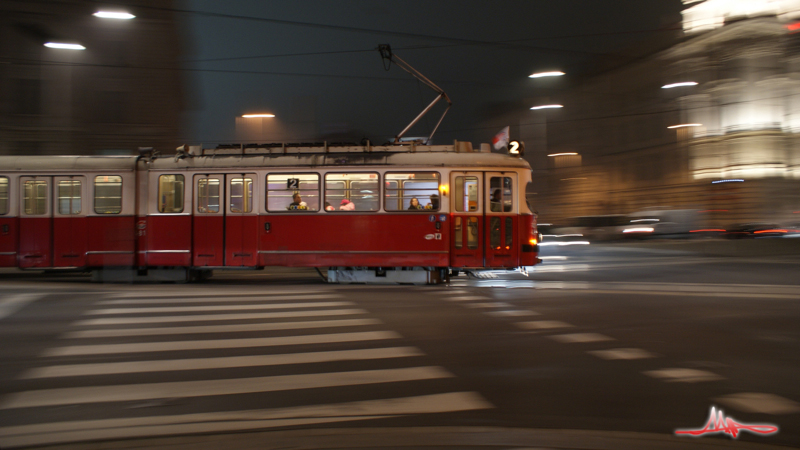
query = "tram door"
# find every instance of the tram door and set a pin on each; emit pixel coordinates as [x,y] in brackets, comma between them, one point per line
[241,220]
[69,221]
[35,222]
[208,248]
[467,209]
[502,248]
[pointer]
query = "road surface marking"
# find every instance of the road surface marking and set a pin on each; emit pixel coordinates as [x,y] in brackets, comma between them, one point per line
[165,309]
[465,298]
[218,363]
[107,429]
[512,313]
[117,332]
[755,402]
[543,325]
[9,304]
[488,305]
[145,347]
[203,388]
[214,293]
[622,353]
[579,338]
[191,299]
[216,317]
[683,375]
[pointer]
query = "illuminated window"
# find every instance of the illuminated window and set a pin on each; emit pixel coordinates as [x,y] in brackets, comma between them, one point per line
[108,194]
[360,189]
[241,195]
[208,195]
[35,197]
[69,197]
[3,195]
[403,188]
[292,192]
[465,194]
[502,194]
[170,193]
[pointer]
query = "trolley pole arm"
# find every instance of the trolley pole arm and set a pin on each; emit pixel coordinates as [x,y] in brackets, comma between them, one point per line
[386,53]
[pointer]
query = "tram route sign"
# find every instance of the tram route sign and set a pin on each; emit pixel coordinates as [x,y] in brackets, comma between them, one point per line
[292,183]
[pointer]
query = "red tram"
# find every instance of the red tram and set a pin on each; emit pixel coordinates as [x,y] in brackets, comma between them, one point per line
[396,213]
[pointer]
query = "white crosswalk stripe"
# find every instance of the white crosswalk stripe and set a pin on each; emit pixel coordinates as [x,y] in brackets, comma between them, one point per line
[137,353]
[236,328]
[215,317]
[167,309]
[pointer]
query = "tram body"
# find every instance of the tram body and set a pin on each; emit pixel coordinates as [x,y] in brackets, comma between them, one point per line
[235,208]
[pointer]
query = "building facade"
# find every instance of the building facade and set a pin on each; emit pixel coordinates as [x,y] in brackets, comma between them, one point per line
[121,92]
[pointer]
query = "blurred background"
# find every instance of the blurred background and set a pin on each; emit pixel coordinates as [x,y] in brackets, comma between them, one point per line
[664,105]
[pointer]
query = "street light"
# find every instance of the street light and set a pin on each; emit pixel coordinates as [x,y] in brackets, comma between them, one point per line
[546,74]
[684,125]
[547,107]
[64,46]
[683,83]
[113,15]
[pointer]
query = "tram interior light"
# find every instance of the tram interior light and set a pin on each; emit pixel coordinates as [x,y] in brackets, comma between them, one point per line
[444,189]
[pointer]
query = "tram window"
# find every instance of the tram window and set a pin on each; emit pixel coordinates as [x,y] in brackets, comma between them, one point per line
[362,189]
[170,193]
[292,192]
[208,195]
[509,232]
[501,189]
[241,195]
[465,194]
[69,197]
[108,194]
[402,187]
[3,195]
[35,197]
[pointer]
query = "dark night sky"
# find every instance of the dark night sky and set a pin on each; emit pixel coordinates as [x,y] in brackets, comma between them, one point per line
[315,61]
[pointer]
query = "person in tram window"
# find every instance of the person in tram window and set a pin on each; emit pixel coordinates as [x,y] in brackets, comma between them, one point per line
[297,202]
[347,205]
[434,204]
[414,204]
[329,207]
[496,202]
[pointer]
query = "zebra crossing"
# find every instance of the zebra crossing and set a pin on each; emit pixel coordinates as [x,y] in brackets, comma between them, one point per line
[164,364]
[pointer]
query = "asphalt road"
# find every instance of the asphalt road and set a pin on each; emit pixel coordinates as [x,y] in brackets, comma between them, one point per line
[600,346]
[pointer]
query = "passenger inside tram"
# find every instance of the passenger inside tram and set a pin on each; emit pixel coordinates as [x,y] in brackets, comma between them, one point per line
[414,204]
[347,205]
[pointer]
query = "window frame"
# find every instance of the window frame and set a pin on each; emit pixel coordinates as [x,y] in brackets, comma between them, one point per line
[336,209]
[406,210]
[302,211]
[121,194]
[8,195]
[182,196]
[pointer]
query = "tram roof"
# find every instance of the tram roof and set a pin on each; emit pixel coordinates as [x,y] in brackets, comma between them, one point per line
[66,163]
[229,160]
[332,159]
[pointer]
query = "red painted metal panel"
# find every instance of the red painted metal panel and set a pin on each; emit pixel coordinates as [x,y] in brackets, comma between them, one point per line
[35,239]
[321,240]
[111,240]
[8,241]
[169,241]
[208,236]
[241,240]
[69,241]
[526,233]
[464,256]
[501,252]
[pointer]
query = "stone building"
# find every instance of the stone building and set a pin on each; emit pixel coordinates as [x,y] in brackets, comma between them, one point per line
[121,92]
[734,153]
